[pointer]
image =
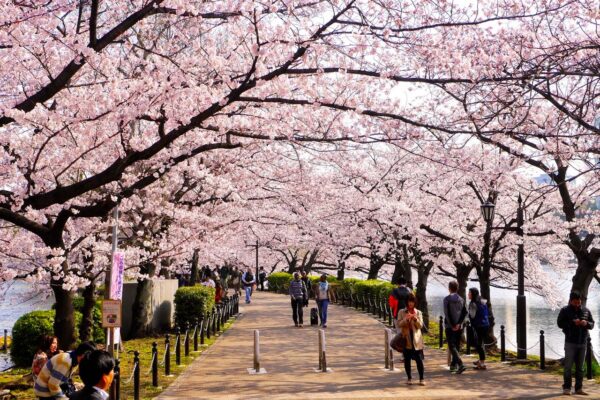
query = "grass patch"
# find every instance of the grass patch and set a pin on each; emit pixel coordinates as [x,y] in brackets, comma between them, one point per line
[22,389]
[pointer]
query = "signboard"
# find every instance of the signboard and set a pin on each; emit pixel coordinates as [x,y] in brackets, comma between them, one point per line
[111,313]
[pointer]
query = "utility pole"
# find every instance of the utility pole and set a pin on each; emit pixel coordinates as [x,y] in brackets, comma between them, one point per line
[255,246]
[521,299]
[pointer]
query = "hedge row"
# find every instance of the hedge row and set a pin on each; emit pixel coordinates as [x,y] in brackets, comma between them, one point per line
[280,282]
[30,327]
[191,302]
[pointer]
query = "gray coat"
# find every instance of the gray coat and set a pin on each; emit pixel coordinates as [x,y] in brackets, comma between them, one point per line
[454,310]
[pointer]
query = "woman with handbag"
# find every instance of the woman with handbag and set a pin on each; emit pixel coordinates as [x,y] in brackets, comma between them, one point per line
[410,321]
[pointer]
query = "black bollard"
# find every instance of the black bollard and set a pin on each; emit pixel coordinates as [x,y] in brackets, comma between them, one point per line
[542,351]
[186,343]
[136,375]
[588,358]
[202,329]
[178,346]
[154,364]
[469,337]
[116,385]
[208,324]
[390,314]
[214,321]
[167,355]
[441,331]
[502,344]
[5,345]
[196,335]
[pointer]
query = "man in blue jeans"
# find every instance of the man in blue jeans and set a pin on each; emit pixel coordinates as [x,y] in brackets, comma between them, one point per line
[454,313]
[248,281]
[324,295]
[575,322]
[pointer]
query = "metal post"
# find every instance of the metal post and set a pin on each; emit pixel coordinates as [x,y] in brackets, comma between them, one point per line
[108,274]
[136,375]
[256,351]
[167,355]
[116,385]
[386,342]
[502,344]
[390,315]
[177,346]
[441,331]
[214,321]
[391,357]
[588,358]
[322,351]
[196,335]
[521,299]
[154,364]
[202,329]
[5,346]
[186,343]
[542,351]
[208,325]
[469,337]
[256,275]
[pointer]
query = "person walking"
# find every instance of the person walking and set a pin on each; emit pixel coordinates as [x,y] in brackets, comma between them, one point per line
[398,298]
[454,316]
[324,296]
[262,276]
[308,287]
[298,294]
[236,280]
[410,324]
[208,282]
[97,372]
[575,321]
[53,381]
[224,273]
[248,280]
[480,324]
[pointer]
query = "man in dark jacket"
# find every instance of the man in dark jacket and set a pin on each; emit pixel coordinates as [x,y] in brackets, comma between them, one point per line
[575,322]
[97,373]
[454,313]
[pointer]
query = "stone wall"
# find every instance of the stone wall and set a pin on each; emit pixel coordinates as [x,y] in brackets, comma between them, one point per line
[162,307]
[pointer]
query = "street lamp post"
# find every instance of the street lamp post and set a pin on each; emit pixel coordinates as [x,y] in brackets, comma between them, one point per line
[487,212]
[256,246]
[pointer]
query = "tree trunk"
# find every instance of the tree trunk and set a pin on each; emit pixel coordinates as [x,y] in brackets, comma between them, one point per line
[87,322]
[422,279]
[375,264]
[462,277]
[399,267]
[194,269]
[141,312]
[64,322]
[584,274]
[341,272]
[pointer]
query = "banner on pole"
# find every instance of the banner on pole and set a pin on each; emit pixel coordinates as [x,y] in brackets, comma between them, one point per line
[116,278]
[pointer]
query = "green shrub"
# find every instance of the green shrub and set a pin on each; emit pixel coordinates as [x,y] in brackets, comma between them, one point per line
[192,302]
[279,282]
[25,334]
[98,333]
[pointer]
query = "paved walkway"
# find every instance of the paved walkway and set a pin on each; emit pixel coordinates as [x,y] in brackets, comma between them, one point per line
[355,354]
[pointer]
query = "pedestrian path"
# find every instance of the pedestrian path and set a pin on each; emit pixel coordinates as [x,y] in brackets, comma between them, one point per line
[355,355]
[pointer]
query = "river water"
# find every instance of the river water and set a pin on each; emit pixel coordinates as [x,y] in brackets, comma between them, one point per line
[539,317]
[16,299]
